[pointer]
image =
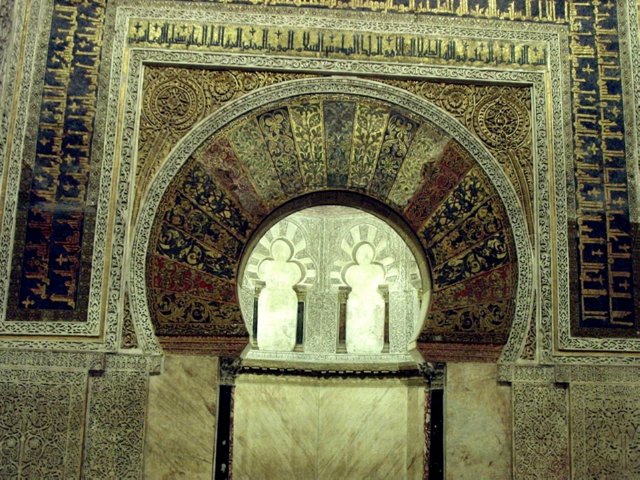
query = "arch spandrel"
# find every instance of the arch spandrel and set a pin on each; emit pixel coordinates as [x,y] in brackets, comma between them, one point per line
[325,137]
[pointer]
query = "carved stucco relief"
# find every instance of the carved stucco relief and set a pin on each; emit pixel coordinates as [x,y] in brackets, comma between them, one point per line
[605,430]
[324,240]
[72,415]
[540,431]
[41,423]
[115,426]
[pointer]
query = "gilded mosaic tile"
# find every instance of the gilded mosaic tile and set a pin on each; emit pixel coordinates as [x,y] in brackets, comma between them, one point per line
[176,277]
[315,111]
[606,278]
[397,138]
[485,221]
[369,133]
[248,143]
[176,245]
[339,118]
[219,160]
[479,323]
[438,179]
[276,129]
[186,315]
[176,98]
[194,221]
[496,284]
[54,234]
[199,187]
[527,10]
[490,254]
[237,38]
[427,146]
[500,116]
[471,192]
[307,124]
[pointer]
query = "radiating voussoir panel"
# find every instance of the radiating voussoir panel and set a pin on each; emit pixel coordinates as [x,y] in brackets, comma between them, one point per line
[329,142]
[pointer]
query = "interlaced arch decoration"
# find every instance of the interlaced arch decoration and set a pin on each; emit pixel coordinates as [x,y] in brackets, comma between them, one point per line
[329,134]
[364,233]
[296,237]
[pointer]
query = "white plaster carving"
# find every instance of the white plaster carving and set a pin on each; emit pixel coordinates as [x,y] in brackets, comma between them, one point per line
[116,412]
[541,431]
[365,304]
[277,301]
[328,243]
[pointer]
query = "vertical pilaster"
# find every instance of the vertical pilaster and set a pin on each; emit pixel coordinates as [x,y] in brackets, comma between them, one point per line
[115,426]
[229,369]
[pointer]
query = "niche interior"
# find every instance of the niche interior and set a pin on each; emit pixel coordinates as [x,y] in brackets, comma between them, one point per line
[333,284]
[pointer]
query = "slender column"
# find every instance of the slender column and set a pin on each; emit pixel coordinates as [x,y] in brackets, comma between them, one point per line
[223,460]
[259,285]
[427,429]
[343,296]
[383,290]
[433,460]
[301,291]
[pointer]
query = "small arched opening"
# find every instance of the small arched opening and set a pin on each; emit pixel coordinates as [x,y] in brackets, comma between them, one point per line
[340,282]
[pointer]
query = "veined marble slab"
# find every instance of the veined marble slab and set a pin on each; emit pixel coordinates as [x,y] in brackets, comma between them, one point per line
[477,423]
[301,428]
[182,419]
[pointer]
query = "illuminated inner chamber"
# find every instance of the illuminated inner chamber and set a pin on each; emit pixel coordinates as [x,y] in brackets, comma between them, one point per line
[333,284]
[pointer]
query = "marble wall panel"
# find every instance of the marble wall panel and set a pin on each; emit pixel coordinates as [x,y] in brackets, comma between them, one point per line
[181,419]
[477,423]
[362,430]
[293,427]
[415,444]
[275,428]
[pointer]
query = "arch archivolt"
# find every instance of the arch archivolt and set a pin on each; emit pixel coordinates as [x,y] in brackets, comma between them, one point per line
[473,229]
